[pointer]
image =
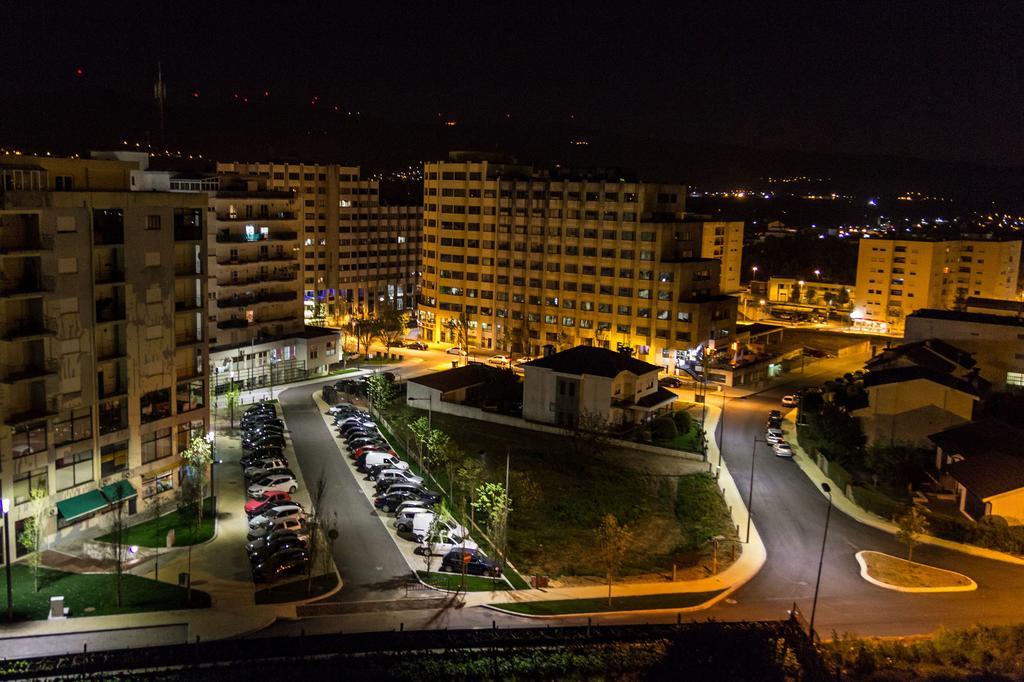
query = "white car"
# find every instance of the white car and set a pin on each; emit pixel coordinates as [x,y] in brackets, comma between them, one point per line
[790,400]
[286,484]
[783,449]
[773,436]
[442,543]
[293,524]
[404,518]
[423,524]
[500,360]
[275,512]
[456,350]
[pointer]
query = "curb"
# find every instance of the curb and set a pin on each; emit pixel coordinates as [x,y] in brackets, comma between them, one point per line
[915,590]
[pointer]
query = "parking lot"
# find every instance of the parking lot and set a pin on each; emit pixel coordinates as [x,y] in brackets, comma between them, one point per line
[404,542]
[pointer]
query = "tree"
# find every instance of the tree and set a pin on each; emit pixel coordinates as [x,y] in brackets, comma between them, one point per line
[613,540]
[119,524]
[492,500]
[911,525]
[390,326]
[232,394]
[381,392]
[588,434]
[524,491]
[794,293]
[365,331]
[317,533]
[810,294]
[459,330]
[197,459]
[843,297]
[470,474]
[439,450]
[31,536]
[420,428]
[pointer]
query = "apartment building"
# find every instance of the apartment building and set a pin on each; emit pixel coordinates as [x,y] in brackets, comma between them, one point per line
[895,277]
[723,241]
[103,344]
[516,258]
[355,252]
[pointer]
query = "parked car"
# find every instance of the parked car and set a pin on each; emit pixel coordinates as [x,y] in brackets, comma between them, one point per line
[423,524]
[456,350]
[390,477]
[414,503]
[376,443]
[790,400]
[255,456]
[773,423]
[391,499]
[442,542]
[278,483]
[376,459]
[416,345]
[500,360]
[264,473]
[782,449]
[775,414]
[260,409]
[773,436]
[670,382]
[282,543]
[263,465]
[271,570]
[359,453]
[523,360]
[404,517]
[265,441]
[253,507]
[278,511]
[276,536]
[372,473]
[477,563]
[294,524]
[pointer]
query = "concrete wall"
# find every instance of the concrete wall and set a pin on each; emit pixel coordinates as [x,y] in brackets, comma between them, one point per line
[997,348]
[907,412]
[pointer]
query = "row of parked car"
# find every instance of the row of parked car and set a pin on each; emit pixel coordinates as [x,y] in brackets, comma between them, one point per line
[278,537]
[400,492]
[775,435]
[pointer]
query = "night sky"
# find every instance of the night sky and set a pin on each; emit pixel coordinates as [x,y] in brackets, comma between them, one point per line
[936,80]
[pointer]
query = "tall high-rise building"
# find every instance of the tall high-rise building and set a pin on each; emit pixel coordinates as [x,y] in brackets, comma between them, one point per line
[895,277]
[355,252]
[515,258]
[103,347]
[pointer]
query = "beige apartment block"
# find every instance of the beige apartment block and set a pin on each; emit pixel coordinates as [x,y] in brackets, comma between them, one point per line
[521,259]
[103,346]
[355,252]
[896,277]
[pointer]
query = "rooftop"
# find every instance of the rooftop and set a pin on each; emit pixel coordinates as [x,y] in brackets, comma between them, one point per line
[894,375]
[930,353]
[757,328]
[993,456]
[995,304]
[472,374]
[593,361]
[961,316]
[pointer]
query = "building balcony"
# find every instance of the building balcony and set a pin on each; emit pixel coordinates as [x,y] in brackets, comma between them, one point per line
[110,275]
[226,237]
[30,247]
[242,323]
[258,258]
[107,314]
[188,272]
[187,339]
[30,415]
[281,276]
[187,306]
[27,287]
[275,215]
[29,329]
[262,297]
[16,374]
[188,233]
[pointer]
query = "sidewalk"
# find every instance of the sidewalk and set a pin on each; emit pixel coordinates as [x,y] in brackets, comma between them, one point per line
[844,504]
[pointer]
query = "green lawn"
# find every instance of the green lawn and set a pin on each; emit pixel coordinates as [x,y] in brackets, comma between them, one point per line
[346,370]
[296,590]
[559,498]
[562,607]
[96,591]
[688,442]
[153,533]
[453,582]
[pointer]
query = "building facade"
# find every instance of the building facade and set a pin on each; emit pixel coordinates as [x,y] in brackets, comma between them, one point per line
[103,309]
[806,297]
[355,252]
[519,259]
[897,277]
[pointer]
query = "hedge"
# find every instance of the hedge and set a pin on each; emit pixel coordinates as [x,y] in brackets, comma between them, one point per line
[879,503]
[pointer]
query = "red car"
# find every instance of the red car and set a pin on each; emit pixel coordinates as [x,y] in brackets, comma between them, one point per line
[359,452]
[274,496]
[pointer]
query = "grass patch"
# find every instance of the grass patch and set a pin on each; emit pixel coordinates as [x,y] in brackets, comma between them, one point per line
[96,591]
[560,496]
[296,590]
[688,442]
[562,607]
[153,533]
[902,573]
[453,582]
[346,370]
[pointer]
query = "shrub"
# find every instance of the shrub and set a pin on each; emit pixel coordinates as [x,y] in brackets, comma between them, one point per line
[683,421]
[664,429]
[880,504]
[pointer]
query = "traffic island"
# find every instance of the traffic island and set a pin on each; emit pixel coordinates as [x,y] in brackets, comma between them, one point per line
[675,601]
[901,575]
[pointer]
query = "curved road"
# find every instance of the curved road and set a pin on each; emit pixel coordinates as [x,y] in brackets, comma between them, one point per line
[788,510]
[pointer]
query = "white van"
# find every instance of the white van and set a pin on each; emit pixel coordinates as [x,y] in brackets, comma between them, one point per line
[377,458]
[421,526]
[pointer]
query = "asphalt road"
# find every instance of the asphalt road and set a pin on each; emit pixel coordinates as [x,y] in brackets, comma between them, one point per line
[789,512]
[371,566]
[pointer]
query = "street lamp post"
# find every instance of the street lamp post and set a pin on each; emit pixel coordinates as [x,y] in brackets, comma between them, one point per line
[750,491]
[273,363]
[7,560]
[821,559]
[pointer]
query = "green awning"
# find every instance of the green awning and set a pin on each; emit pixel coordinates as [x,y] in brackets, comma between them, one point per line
[116,492]
[78,506]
